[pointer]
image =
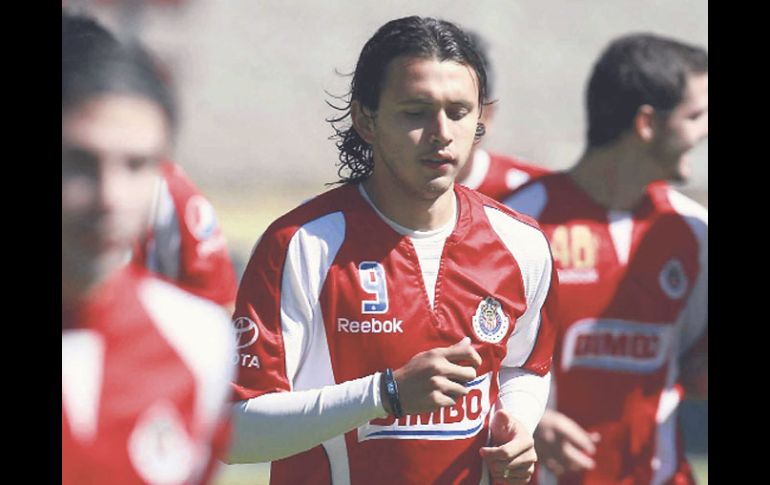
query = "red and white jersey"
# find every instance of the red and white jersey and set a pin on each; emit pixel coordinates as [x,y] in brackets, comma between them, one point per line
[632,300]
[185,243]
[146,372]
[332,293]
[496,175]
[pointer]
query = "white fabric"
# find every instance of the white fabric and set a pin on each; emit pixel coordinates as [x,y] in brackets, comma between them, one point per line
[694,316]
[189,324]
[317,410]
[530,248]
[277,425]
[82,365]
[515,178]
[282,424]
[524,394]
[621,225]
[692,322]
[429,245]
[310,254]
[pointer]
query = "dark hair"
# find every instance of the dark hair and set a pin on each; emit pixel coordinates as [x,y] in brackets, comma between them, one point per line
[635,70]
[422,37]
[94,62]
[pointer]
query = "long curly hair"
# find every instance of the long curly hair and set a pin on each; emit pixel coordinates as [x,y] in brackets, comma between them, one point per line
[422,37]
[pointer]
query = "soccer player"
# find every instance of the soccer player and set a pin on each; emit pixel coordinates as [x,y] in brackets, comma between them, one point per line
[185,243]
[494,174]
[146,367]
[632,257]
[395,329]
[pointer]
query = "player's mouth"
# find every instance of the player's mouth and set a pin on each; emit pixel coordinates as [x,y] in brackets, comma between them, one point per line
[442,158]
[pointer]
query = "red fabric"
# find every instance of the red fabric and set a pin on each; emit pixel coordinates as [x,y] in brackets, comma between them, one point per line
[470,270]
[618,324]
[205,268]
[506,173]
[148,394]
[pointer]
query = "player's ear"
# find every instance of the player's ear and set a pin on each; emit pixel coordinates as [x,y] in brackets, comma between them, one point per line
[487,113]
[644,122]
[363,121]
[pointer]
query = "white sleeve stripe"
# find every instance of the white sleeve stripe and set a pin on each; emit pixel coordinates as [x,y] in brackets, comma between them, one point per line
[189,324]
[82,368]
[530,249]
[694,316]
[310,254]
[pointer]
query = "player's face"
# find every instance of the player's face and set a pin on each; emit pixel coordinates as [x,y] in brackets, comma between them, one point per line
[683,129]
[111,146]
[423,131]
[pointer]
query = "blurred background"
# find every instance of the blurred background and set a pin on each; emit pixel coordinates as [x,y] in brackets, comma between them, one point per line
[253,78]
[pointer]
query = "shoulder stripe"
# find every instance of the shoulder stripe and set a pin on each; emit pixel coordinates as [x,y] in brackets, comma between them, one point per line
[82,366]
[201,333]
[696,215]
[310,254]
[529,246]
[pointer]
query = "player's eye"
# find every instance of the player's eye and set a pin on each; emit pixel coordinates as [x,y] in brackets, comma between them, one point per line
[457,114]
[138,163]
[414,113]
[76,161]
[698,114]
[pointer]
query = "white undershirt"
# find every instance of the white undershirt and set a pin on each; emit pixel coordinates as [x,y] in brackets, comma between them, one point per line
[277,425]
[429,245]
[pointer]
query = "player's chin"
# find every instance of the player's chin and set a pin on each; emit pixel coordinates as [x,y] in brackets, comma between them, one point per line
[438,186]
[681,174]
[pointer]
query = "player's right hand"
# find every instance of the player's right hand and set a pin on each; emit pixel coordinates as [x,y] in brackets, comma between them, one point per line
[562,445]
[435,378]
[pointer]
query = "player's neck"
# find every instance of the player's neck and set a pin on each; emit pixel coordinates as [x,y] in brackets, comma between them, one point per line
[419,214]
[615,177]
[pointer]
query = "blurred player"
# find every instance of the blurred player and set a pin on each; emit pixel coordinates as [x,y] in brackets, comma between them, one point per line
[145,365]
[632,256]
[185,243]
[386,317]
[494,174]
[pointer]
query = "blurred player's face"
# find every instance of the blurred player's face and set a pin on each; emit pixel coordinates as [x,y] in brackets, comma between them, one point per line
[111,146]
[682,129]
[423,131]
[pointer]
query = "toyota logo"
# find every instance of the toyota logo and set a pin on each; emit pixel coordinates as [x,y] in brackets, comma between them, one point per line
[246,331]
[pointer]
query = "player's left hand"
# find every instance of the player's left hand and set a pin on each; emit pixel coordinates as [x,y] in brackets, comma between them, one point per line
[511,458]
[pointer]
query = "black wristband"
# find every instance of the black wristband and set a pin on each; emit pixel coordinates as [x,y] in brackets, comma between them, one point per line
[391,389]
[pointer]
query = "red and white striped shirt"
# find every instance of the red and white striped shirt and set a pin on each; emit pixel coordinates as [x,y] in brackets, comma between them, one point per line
[146,370]
[632,300]
[332,294]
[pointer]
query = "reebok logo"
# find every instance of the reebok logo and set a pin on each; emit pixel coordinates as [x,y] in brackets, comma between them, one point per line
[369,326]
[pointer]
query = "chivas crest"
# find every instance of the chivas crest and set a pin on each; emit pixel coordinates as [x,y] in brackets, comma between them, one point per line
[489,322]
